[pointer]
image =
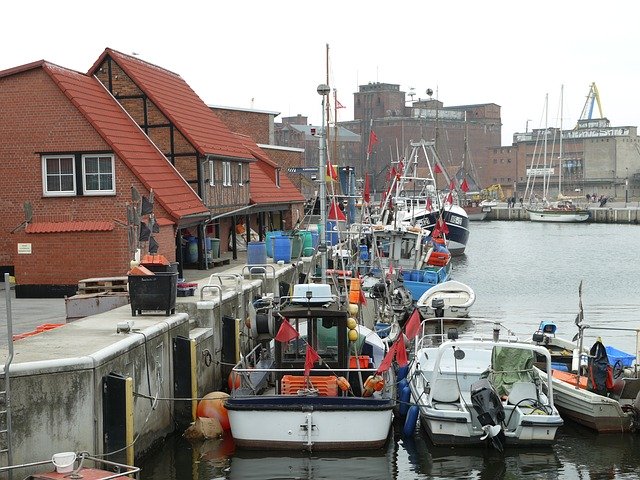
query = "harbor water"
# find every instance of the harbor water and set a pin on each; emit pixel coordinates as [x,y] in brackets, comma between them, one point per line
[522,273]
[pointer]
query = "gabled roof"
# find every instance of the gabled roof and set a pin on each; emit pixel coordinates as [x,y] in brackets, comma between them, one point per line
[131,145]
[180,104]
[262,187]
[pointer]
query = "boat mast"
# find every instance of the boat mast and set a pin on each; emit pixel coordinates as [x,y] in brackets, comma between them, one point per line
[560,156]
[547,175]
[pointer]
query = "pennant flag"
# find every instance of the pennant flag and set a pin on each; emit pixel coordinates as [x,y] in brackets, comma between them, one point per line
[311,357]
[367,189]
[332,174]
[339,105]
[153,245]
[373,139]
[452,185]
[286,332]
[429,204]
[443,226]
[401,352]
[450,198]
[335,213]
[436,232]
[388,358]
[412,327]
[401,166]
[464,186]
[361,298]
[437,169]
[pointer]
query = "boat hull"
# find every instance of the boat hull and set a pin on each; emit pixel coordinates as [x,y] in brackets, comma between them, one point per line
[558,216]
[457,222]
[477,213]
[286,422]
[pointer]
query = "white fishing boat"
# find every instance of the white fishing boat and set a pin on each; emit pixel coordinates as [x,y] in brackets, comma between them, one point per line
[282,402]
[482,389]
[456,300]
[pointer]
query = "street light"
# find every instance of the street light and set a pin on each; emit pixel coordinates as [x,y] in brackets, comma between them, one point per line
[626,189]
[323,90]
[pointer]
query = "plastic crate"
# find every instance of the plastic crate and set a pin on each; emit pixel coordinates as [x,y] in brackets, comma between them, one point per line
[153,292]
[614,355]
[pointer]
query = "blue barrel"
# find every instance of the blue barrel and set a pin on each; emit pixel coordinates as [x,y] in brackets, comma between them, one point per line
[332,233]
[282,249]
[364,253]
[315,236]
[256,253]
[269,241]
[192,250]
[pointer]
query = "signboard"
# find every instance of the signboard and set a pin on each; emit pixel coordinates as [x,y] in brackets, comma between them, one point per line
[540,171]
[24,249]
[302,169]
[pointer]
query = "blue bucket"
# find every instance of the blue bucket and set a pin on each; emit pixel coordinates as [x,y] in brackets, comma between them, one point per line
[269,241]
[256,253]
[282,249]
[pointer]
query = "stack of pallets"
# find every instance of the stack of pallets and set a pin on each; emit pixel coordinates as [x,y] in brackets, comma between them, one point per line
[100,285]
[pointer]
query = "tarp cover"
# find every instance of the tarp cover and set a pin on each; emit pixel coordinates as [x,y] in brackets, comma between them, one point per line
[510,365]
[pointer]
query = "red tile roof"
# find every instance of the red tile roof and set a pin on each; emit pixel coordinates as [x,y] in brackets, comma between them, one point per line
[64,227]
[180,104]
[262,188]
[129,142]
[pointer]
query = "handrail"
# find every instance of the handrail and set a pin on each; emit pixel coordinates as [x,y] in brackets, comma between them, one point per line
[217,287]
[234,276]
[7,377]
[251,270]
[128,469]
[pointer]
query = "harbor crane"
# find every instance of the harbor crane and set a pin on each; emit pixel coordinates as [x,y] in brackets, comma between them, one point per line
[592,98]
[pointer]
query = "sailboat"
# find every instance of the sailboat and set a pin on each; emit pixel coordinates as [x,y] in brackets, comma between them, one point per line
[476,208]
[563,210]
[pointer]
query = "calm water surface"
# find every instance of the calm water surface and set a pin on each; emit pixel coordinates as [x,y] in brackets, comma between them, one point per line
[522,273]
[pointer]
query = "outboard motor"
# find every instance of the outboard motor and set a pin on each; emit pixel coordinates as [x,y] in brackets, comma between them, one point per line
[379,289]
[486,402]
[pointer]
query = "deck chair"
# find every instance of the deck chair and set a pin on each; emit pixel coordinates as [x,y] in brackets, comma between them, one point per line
[446,394]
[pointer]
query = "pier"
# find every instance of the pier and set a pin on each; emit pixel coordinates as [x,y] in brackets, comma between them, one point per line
[613,213]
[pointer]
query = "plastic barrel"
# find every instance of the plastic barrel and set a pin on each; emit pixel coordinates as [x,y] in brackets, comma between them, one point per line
[315,236]
[192,250]
[296,244]
[332,233]
[364,253]
[282,249]
[256,253]
[307,243]
[269,241]
[215,247]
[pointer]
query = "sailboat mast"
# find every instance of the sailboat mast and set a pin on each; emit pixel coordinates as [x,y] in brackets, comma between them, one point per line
[545,182]
[560,156]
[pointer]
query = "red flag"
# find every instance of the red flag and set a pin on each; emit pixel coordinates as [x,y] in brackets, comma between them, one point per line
[429,204]
[401,352]
[413,325]
[335,213]
[450,198]
[437,169]
[443,226]
[373,139]
[286,332]
[367,189]
[388,358]
[452,185]
[311,357]
[436,232]
[332,175]
[339,105]
[361,298]
[401,166]
[464,186]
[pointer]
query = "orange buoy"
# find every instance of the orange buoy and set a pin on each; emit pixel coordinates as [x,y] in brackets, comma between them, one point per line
[234,380]
[212,406]
[343,384]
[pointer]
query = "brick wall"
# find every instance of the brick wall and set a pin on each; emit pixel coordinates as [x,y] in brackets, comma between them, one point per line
[257,125]
[38,118]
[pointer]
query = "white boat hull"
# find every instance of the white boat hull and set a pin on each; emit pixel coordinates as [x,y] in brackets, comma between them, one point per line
[558,216]
[316,428]
[458,299]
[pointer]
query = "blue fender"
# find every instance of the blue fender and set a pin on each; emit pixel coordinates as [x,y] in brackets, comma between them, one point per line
[405,398]
[411,421]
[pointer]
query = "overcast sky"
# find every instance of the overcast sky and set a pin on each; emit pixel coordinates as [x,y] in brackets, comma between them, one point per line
[272,55]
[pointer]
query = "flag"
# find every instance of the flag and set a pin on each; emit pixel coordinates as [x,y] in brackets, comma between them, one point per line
[437,169]
[311,357]
[401,352]
[373,139]
[388,358]
[286,332]
[464,186]
[401,166]
[452,185]
[361,298]
[367,189]
[335,213]
[450,198]
[436,232]
[429,204]
[339,105]
[443,226]
[412,327]
[332,175]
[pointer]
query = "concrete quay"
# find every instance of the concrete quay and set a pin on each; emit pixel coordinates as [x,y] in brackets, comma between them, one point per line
[110,381]
[614,212]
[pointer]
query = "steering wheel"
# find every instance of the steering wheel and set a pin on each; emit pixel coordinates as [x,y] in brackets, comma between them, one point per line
[618,368]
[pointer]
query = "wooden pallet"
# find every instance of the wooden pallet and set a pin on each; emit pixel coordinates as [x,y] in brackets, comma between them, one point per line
[218,262]
[106,284]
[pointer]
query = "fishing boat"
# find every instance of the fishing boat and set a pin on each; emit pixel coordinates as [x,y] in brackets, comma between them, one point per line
[455,300]
[476,208]
[74,466]
[564,210]
[485,388]
[413,197]
[283,401]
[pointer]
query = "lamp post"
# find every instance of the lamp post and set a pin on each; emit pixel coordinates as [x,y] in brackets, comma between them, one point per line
[626,189]
[323,90]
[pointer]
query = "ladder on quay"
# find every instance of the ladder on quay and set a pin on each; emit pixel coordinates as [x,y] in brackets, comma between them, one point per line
[5,393]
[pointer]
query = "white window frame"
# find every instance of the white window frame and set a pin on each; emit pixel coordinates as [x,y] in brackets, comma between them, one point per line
[110,191]
[226,174]
[65,193]
[240,181]
[212,173]
[278,177]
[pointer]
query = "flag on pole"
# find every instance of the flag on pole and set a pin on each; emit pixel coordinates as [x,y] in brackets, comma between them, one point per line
[464,186]
[437,169]
[361,298]
[332,175]
[443,226]
[450,198]
[367,189]
[373,139]
[335,213]
[286,332]
[452,185]
[412,327]
[429,204]
[311,357]
[339,105]
[388,358]
[401,352]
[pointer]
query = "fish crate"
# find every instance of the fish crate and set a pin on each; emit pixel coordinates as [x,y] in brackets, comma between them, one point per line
[186,289]
[614,355]
[153,292]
